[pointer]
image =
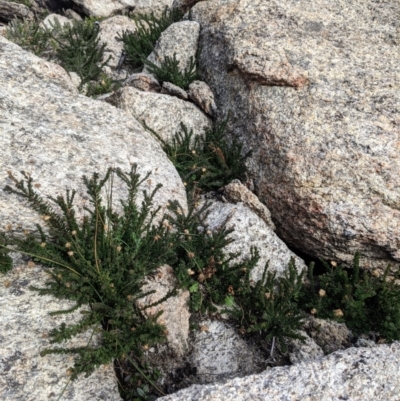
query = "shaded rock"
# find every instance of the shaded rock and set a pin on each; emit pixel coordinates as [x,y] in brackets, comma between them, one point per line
[202,95]
[218,352]
[184,5]
[331,336]
[163,114]
[49,22]
[25,324]
[173,90]
[304,351]
[106,8]
[71,14]
[57,136]
[143,82]
[236,192]
[181,39]
[316,95]
[9,11]
[356,374]
[250,230]
[175,316]
[109,30]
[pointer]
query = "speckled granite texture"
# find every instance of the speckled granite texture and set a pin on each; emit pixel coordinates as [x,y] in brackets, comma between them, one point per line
[313,88]
[57,136]
[25,323]
[356,374]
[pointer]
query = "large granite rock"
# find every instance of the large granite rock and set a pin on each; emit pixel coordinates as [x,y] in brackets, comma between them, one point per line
[57,135]
[25,324]
[313,89]
[356,374]
[106,8]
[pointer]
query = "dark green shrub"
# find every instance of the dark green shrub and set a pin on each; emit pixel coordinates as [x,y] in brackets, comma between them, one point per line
[202,265]
[364,302]
[139,44]
[270,306]
[79,50]
[169,71]
[99,262]
[206,162]
[102,260]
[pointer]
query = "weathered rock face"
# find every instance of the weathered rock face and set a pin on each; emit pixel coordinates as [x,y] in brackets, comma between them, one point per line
[109,30]
[313,89]
[357,374]
[10,10]
[57,135]
[181,39]
[184,5]
[218,352]
[251,231]
[105,8]
[25,324]
[162,113]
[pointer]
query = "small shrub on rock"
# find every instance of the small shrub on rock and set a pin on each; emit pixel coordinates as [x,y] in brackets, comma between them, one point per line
[270,306]
[79,50]
[169,71]
[366,302]
[206,162]
[139,44]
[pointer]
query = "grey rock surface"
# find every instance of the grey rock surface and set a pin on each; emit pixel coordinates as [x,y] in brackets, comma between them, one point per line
[109,30]
[202,95]
[313,89]
[250,230]
[300,351]
[356,374]
[175,316]
[162,113]
[331,336]
[181,39]
[57,136]
[170,89]
[10,10]
[184,5]
[106,8]
[218,352]
[25,324]
[235,192]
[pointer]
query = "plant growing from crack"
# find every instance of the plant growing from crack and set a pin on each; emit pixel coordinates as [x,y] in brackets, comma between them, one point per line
[139,44]
[205,162]
[169,71]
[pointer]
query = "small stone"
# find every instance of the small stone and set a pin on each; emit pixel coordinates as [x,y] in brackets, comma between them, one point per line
[202,95]
[174,90]
[71,14]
